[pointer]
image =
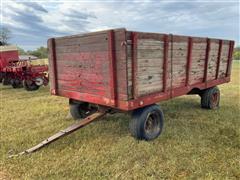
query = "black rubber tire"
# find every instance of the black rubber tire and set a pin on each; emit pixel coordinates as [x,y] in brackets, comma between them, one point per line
[210,98]
[138,123]
[30,86]
[1,77]
[16,83]
[80,110]
[6,81]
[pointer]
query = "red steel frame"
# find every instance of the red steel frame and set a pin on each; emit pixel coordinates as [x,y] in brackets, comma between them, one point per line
[137,102]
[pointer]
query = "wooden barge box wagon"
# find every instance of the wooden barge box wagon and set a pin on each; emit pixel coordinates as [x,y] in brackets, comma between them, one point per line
[122,70]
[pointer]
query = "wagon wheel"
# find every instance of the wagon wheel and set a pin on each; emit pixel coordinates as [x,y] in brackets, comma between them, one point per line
[16,83]
[80,110]
[30,85]
[147,122]
[210,98]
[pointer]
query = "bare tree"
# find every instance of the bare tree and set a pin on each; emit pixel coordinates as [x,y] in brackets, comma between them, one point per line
[5,35]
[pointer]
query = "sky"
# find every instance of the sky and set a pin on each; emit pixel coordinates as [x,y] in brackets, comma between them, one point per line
[32,22]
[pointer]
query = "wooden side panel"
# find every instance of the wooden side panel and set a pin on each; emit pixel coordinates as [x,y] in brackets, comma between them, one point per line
[198,61]
[82,64]
[223,60]
[150,62]
[149,66]
[145,55]
[179,61]
[212,61]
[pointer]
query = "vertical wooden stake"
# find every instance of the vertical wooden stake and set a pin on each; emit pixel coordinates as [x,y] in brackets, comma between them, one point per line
[53,66]
[112,66]
[218,58]
[134,65]
[206,60]
[189,60]
[230,52]
[165,63]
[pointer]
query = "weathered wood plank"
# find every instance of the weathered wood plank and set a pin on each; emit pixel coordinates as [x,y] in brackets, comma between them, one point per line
[149,54]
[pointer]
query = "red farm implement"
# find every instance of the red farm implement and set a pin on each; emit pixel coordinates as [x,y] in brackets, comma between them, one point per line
[127,71]
[21,73]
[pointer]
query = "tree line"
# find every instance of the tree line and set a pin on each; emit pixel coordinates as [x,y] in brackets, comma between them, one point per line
[40,52]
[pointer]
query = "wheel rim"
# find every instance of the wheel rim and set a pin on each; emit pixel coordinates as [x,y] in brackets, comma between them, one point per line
[152,124]
[215,99]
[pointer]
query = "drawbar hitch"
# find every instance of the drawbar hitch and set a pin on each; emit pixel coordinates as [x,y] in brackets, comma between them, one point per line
[64,132]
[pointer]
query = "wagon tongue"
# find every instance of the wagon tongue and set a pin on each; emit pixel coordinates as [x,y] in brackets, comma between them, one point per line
[64,132]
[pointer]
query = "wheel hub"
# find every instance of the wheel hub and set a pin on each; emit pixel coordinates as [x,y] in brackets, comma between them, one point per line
[152,124]
[215,99]
[39,81]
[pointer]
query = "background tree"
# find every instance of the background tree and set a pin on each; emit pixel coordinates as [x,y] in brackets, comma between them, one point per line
[40,52]
[5,35]
[21,51]
[236,54]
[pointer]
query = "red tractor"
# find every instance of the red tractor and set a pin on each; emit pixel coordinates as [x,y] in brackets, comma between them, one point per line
[20,73]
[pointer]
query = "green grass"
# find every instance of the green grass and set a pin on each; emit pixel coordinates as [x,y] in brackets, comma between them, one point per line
[195,143]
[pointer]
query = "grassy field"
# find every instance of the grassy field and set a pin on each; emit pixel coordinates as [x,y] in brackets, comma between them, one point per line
[195,144]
